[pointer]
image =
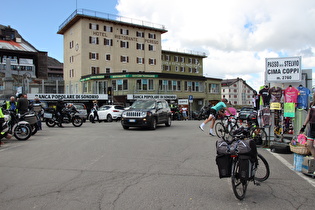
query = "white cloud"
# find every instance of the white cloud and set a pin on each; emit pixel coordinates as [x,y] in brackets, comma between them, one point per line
[237,35]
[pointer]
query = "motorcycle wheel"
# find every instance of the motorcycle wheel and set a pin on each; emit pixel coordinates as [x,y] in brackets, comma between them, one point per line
[22,132]
[77,121]
[50,122]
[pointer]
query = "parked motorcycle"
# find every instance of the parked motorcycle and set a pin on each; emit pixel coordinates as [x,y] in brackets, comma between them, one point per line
[32,119]
[69,116]
[13,124]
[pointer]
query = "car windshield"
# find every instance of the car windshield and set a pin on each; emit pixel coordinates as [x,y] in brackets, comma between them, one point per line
[119,107]
[143,105]
[246,109]
[78,106]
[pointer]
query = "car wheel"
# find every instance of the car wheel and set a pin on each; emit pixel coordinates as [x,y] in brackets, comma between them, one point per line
[169,122]
[154,124]
[109,118]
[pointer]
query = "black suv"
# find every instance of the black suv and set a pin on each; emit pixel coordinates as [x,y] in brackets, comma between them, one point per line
[147,113]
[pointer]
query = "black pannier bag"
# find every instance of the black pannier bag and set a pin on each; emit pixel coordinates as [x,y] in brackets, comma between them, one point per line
[245,167]
[224,163]
[236,147]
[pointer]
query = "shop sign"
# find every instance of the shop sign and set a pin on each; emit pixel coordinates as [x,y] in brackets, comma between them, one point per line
[50,97]
[151,96]
[134,76]
[93,77]
[182,101]
[283,69]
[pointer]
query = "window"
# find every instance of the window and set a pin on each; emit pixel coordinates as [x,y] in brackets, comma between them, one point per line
[167,57]
[93,56]
[108,42]
[124,31]
[190,60]
[140,34]
[120,84]
[182,59]
[140,60]
[190,70]
[124,44]
[124,59]
[93,26]
[93,40]
[151,47]
[176,58]
[152,61]
[107,57]
[178,85]
[95,70]
[140,46]
[107,70]
[188,86]
[151,36]
[144,84]
[163,85]
[176,68]
[167,68]
[71,59]
[182,69]
[71,73]
[108,28]
[214,88]
[71,44]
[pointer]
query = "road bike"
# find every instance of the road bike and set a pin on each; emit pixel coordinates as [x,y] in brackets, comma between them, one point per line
[226,126]
[245,167]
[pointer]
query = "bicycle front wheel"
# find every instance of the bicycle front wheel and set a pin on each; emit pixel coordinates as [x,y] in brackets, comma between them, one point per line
[239,185]
[219,130]
[262,169]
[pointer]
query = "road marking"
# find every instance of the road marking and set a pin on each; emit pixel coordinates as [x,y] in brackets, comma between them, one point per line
[290,166]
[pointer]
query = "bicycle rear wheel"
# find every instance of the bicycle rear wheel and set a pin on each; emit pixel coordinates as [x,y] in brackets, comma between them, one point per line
[231,128]
[219,130]
[262,169]
[259,135]
[239,185]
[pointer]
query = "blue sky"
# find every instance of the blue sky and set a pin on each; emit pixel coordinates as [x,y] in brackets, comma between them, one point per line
[236,35]
[38,20]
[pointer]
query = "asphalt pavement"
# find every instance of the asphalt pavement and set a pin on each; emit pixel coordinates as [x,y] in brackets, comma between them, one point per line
[103,166]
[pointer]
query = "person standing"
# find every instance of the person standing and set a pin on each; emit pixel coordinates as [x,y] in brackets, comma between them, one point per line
[184,112]
[59,112]
[22,104]
[219,108]
[310,118]
[11,104]
[94,110]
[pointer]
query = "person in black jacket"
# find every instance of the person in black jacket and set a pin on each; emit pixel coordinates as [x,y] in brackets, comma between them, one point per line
[22,104]
[59,107]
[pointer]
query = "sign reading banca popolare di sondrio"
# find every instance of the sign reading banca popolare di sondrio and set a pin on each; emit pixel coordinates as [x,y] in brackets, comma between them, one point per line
[283,69]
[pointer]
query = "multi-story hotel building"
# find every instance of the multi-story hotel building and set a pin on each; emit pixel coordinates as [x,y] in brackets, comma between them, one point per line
[237,91]
[124,57]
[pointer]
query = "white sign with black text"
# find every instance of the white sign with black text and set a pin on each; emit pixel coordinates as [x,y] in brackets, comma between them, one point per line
[283,69]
